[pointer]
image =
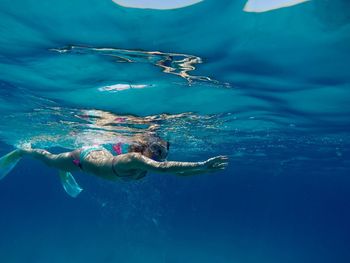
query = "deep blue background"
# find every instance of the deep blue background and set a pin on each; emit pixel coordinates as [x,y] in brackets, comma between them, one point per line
[246,214]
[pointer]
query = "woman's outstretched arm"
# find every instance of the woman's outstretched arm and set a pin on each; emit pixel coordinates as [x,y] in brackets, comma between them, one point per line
[138,161]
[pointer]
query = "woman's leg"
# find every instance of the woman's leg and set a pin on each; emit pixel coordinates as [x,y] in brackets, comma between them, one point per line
[62,161]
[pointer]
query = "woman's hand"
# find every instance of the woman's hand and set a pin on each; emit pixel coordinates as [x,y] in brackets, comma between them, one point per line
[216,163]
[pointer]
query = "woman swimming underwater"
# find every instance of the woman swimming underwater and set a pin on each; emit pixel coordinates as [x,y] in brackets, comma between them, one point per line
[147,154]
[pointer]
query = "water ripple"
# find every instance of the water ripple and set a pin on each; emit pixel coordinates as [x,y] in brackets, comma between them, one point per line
[177,64]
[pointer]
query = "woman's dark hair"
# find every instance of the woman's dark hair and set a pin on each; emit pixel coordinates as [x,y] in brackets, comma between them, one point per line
[138,147]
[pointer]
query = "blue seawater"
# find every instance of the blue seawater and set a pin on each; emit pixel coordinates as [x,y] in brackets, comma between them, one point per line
[270,90]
